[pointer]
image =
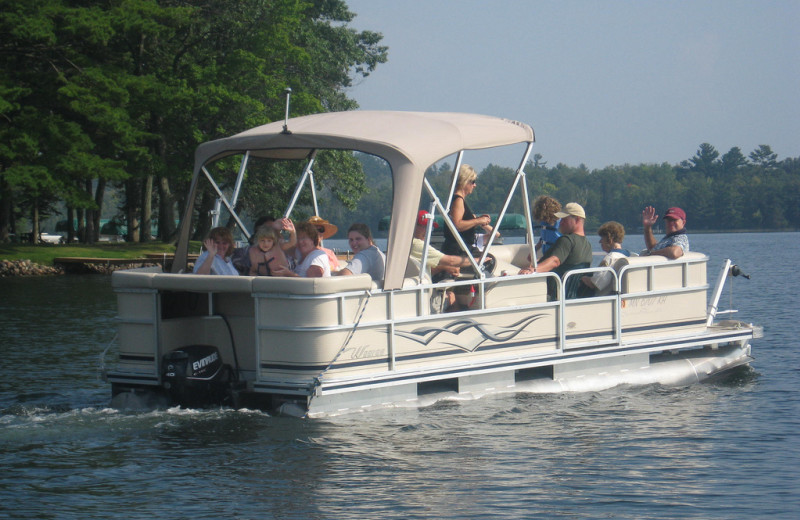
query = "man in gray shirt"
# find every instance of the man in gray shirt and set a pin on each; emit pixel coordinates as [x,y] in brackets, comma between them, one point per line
[368,258]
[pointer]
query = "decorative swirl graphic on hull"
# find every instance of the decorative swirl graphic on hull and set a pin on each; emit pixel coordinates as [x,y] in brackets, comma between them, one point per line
[468,335]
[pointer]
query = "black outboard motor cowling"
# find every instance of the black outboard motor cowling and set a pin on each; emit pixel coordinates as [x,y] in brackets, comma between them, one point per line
[195,376]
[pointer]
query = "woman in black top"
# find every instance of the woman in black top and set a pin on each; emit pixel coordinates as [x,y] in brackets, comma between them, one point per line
[465,221]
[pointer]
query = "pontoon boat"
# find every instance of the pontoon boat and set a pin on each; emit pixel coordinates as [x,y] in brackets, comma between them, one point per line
[314,346]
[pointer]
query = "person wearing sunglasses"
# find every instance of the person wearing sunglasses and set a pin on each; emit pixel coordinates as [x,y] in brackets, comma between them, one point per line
[465,221]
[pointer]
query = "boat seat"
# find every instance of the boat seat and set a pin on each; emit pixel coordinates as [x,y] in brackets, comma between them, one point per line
[134,278]
[668,274]
[153,278]
[323,285]
[412,272]
[149,279]
[510,257]
[202,283]
[412,268]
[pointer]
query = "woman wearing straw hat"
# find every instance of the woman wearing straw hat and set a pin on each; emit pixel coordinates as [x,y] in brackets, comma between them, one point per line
[326,230]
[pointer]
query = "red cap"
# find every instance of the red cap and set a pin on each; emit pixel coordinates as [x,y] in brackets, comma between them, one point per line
[422,218]
[676,213]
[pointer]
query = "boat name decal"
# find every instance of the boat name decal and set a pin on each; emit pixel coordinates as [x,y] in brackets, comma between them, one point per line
[645,302]
[366,352]
[462,333]
[200,363]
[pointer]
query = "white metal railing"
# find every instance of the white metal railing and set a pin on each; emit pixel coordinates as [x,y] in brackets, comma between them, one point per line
[390,320]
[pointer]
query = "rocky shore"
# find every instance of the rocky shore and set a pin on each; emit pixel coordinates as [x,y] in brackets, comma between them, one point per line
[26,268]
[9,268]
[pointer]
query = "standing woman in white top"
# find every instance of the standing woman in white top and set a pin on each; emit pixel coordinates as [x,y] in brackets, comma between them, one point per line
[312,261]
[216,258]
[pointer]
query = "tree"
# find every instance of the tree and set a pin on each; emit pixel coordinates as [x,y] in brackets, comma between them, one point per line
[705,161]
[141,83]
[56,95]
[698,197]
[791,190]
[733,161]
[764,158]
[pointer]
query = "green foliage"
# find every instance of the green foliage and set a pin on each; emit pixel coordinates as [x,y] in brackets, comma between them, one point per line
[45,253]
[718,193]
[368,199]
[119,93]
[124,91]
[727,192]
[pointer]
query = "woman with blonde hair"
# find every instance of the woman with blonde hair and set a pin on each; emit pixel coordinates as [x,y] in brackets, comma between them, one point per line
[215,258]
[463,218]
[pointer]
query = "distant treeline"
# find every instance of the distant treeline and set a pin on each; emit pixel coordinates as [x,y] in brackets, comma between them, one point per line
[718,192]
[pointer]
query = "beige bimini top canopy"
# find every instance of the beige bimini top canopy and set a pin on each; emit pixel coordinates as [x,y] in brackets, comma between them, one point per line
[409,141]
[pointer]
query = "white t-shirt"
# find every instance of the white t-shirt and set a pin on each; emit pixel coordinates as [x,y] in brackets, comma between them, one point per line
[315,257]
[218,266]
[604,281]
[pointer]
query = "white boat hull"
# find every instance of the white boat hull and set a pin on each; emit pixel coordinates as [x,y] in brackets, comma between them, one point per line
[332,346]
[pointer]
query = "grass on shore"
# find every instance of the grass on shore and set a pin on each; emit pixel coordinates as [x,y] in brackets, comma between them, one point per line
[44,254]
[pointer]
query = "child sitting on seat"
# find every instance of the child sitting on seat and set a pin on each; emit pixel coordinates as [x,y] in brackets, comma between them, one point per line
[544,212]
[266,254]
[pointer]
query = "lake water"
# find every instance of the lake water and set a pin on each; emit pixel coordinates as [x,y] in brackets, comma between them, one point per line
[727,449]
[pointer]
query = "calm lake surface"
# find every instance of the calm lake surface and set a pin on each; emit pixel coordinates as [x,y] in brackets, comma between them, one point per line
[727,449]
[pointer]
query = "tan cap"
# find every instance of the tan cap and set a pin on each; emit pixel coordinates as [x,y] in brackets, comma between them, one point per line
[572,209]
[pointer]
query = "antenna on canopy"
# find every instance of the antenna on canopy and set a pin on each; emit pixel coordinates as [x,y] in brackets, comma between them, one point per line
[288,91]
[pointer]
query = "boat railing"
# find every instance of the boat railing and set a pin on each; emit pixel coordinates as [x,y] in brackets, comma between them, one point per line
[497,294]
[574,304]
[277,315]
[655,274]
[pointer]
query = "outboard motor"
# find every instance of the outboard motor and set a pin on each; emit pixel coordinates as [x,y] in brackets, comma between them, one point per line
[195,376]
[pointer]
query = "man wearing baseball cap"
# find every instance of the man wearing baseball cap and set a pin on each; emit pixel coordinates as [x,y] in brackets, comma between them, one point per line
[572,250]
[441,265]
[438,262]
[675,243]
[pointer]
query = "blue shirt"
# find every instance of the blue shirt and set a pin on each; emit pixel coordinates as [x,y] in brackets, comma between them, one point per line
[548,235]
[680,239]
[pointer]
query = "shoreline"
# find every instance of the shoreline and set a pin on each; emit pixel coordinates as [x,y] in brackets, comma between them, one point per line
[21,268]
[27,268]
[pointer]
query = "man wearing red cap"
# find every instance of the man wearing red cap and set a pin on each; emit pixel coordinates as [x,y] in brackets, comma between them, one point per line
[676,242]
[438,262]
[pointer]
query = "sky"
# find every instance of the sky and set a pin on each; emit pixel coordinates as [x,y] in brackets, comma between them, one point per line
[602,83]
